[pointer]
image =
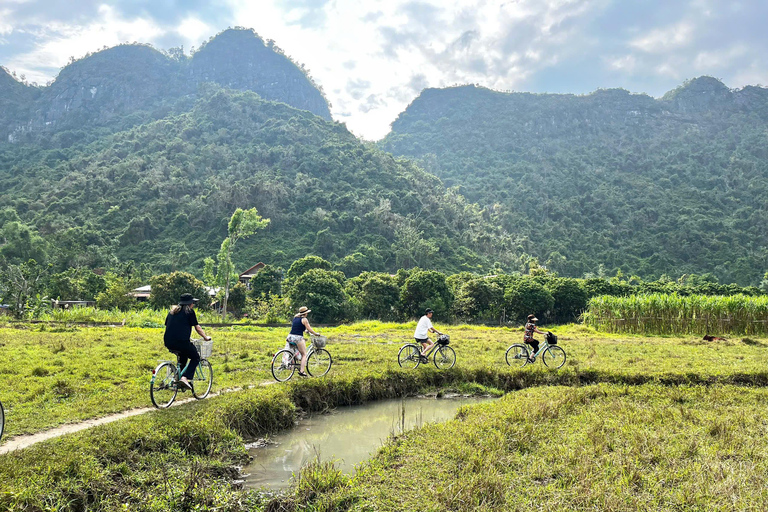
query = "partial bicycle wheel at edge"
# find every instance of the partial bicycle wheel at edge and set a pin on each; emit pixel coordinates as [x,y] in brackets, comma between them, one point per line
[408,357]
[2,420]
[283,371]
[319,362]
[445,357]
[163,389]
[203,381]
[554,357]
[517,356]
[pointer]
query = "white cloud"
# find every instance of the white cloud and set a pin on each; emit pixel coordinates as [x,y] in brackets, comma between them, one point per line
[65,41]
[665,39]
[194,30]
[373,57]
[708,60]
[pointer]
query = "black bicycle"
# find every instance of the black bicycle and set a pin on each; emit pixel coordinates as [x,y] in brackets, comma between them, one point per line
[2,420]
[444,356]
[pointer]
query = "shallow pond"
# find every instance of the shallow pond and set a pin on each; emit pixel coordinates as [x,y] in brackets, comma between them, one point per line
[348,435]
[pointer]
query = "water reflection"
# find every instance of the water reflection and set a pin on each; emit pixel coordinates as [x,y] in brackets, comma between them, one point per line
[349,435]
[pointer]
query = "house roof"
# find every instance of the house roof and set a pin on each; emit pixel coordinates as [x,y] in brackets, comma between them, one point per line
[253,270]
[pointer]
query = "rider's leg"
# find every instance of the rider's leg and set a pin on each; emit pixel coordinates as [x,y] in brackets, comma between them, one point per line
[188,351]
[302,346]
[426,346]
[535,345]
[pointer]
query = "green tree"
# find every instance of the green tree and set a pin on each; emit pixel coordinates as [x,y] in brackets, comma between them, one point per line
[116,295]
[570,298]
[526,296]
[376,295]
[237,298]
[18,283]
[426,289]
[322,291]
[479,299]
[267,282]
[243,223]
[167,288]
[305,264]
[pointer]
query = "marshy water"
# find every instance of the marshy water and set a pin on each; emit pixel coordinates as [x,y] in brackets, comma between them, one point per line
[348,435]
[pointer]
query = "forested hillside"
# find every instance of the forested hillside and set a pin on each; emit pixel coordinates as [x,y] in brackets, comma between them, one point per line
[609,180]
[162,193]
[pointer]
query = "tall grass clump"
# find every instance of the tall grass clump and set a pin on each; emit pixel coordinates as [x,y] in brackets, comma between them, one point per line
[674,314]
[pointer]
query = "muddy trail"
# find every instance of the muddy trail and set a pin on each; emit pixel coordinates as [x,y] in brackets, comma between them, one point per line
[26,440]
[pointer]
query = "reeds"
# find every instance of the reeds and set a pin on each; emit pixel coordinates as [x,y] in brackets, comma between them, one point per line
[660,313]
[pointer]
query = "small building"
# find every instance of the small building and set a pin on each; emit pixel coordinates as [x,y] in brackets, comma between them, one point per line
[141,294]
[66,304]
[246,276]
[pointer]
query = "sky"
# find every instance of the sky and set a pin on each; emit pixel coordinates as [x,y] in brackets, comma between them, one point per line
[373,58]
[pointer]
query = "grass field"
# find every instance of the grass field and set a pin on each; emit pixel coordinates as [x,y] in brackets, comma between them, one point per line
[634,385]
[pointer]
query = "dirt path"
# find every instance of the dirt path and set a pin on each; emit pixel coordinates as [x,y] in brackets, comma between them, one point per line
[23,441]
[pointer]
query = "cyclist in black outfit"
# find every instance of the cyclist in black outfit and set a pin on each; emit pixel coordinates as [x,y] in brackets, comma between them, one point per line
[178,328]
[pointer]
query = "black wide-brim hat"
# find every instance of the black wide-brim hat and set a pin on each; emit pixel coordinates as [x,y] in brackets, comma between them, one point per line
[186,299]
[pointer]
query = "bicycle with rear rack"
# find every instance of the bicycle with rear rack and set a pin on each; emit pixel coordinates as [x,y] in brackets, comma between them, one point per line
[519,355]
[288,360]
[444,356]
[165,383]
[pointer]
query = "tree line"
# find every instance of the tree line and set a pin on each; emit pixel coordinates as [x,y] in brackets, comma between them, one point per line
[273,294]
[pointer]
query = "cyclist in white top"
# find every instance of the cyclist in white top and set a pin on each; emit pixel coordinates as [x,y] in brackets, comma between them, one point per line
[421,334]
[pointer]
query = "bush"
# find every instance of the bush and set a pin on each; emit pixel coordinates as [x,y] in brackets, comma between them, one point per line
[167,288]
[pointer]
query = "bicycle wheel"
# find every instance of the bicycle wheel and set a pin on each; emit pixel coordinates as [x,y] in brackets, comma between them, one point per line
[319,362]
[444,358]
[2,420]
[517,356]
[554,357]
[203,381]
[408,357]
[283,371]
[162,388]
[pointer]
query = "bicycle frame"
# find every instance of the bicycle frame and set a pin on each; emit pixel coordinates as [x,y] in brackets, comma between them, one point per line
[297,362]
[542,347]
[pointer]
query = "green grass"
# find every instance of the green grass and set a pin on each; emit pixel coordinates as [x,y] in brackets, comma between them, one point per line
[661,313]
[656,395]
[602,447]
[50,378]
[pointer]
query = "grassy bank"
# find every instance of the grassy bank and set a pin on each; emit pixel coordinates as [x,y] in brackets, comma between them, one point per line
[601,447]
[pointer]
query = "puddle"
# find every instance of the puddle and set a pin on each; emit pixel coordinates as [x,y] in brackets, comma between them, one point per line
[349,435]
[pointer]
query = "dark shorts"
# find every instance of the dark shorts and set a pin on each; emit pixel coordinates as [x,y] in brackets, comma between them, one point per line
[423,340]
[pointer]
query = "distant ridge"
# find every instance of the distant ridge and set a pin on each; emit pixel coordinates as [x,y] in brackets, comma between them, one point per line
[609,180]
[133,83]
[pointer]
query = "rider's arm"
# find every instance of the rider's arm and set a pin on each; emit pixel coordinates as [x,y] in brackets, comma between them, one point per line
[306,324]
[435,331]
[202,333]
[538,331]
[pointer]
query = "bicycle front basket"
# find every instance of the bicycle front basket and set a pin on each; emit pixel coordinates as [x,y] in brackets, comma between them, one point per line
[319,341]
[551,339]
[204,348]
[443,339]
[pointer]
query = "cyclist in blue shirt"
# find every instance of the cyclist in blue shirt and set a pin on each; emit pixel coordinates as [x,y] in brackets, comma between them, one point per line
[296,337]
